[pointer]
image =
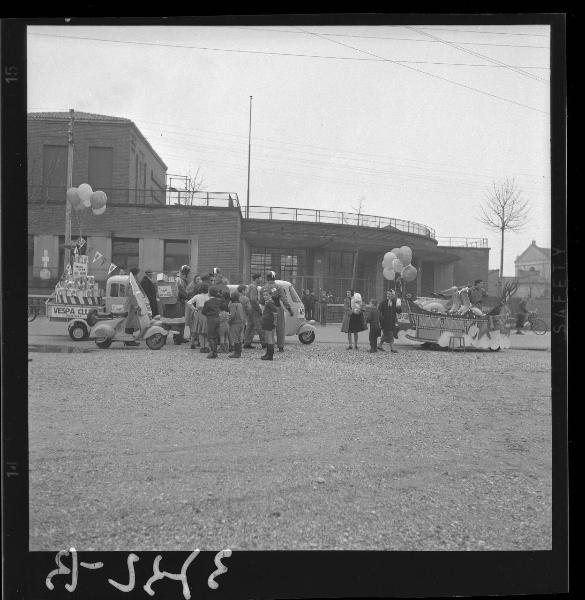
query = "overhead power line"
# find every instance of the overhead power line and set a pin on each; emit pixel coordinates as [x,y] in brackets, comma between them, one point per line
[477,54]
[487,32]
[463,85]
[265,52]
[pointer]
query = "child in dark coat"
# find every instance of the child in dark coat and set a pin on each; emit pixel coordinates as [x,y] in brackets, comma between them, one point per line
[268,324]
[211,309]
[237,319]
[373,319]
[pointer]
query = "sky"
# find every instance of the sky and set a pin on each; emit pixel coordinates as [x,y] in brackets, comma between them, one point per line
[410,122]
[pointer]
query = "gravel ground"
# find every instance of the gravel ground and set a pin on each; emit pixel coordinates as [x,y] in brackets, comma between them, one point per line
[321,449]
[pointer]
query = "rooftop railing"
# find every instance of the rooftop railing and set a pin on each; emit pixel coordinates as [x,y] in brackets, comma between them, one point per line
[463,242]
[310,215]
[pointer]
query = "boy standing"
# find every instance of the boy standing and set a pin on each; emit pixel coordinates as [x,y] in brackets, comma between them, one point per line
[373,319]
[269,316]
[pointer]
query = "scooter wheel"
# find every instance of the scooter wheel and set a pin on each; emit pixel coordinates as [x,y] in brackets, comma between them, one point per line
[307,337]
[156,341]
[103,343]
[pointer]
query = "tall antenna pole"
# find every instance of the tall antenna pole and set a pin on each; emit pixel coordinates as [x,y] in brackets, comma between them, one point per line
[249,148]
[67,253]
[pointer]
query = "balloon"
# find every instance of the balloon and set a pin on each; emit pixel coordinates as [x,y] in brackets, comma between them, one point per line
[409,273]
[84,192]
[73,197]
[388,258]
[397,265]
[388,274]
[99,211]
[405,255]
[98,199]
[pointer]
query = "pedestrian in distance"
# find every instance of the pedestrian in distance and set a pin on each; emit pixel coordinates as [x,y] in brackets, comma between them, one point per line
[373,319]
[323,303]
[253,320]
[521,316]
[388,319]
[211,309]
[357,319]
[346,316]
[237,318]
[269,316]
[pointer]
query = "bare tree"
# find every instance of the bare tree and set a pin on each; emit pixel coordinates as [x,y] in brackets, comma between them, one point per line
[195,183]
[504,210]
[358,210]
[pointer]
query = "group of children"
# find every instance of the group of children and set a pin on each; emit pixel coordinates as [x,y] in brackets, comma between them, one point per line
[219,319]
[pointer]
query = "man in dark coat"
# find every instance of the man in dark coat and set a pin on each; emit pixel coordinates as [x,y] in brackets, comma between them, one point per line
[280,300]
[388,319]
[149,290]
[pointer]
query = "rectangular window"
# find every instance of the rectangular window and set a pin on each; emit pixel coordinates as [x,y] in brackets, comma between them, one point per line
[125,252]
[177,254]
[101,169]
[54,173]
[287,262]
[117,290]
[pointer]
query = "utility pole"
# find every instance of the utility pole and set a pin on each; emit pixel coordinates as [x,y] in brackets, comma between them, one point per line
[67,252]
[249,149]
[356,247]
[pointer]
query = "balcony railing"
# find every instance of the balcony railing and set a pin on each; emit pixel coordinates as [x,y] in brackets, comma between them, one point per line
[142,197]
[463,242]
[337,218]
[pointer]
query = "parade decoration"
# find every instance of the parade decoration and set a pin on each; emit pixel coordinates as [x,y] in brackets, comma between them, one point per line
[409,273]
[405,255]
[73,197]
[389,274]
[397,265]
[387,260]
[84,192]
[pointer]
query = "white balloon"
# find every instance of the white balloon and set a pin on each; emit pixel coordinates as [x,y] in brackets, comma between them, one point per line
[405,255]
[388,258]
[99,211]
[84,192]
[389,274]
[397,265]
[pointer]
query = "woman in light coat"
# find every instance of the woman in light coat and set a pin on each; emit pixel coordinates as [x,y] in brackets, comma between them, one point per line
[346,316]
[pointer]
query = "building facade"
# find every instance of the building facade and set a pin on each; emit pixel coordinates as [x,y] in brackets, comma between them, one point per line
[155,226]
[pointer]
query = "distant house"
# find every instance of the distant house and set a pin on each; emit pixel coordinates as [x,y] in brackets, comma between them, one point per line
[533,272]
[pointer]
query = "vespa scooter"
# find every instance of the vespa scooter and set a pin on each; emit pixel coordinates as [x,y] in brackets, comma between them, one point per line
[107,328]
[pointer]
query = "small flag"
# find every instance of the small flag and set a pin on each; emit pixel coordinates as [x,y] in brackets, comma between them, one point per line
[97,256]
[81,242]
[113,267]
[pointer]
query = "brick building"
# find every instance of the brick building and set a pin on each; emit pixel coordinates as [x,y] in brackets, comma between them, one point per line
[153,225]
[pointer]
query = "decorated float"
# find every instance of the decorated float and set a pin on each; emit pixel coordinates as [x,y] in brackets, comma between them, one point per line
[448,319]
[77,292]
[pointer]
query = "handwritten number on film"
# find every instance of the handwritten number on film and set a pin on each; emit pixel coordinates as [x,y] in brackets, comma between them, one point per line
[132,558]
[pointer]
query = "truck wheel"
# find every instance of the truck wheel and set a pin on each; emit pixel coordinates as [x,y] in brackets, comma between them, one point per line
[78,332]
[103,342]
[156,341]
[307,337]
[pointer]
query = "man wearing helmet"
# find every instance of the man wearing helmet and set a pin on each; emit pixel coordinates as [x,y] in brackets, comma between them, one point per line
[281,302]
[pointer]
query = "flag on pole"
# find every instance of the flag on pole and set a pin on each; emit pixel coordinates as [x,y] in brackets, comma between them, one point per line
[113,267]
[97,256]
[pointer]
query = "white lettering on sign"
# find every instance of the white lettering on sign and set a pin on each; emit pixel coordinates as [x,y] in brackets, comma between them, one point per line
[61,311]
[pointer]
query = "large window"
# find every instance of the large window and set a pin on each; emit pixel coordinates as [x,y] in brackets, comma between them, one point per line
[125,253]
[54,172]
[287,262]
[101,169]
[341,263]
[177,254]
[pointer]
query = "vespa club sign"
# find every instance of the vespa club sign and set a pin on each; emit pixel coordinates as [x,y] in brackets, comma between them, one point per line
[64,311]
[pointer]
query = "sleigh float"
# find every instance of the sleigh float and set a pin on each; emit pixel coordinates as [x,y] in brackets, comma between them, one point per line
[428,321]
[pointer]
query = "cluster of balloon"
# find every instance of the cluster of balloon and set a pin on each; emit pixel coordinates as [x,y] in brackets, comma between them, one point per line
[397,261]
[83,197]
